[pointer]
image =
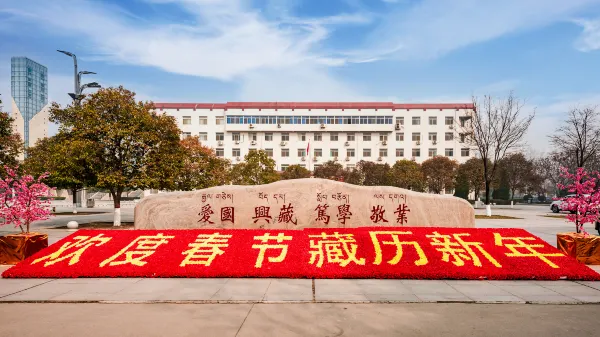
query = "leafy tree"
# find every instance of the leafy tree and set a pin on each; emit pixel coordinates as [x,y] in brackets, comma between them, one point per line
[407,174]
[461,188]
[11,144]
[374,174]
[329,170]
[295,172]
[69,163]
[518,171]
[136,146]
[440,173]
[257,169]
[201,167]
[471,174]
[351,176]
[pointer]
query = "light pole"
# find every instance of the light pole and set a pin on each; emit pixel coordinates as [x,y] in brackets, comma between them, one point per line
[77,94]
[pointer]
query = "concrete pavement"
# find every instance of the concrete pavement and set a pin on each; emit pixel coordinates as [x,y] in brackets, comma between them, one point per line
[282,320]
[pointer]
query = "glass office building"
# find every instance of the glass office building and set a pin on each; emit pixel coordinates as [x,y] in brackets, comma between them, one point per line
[29,88]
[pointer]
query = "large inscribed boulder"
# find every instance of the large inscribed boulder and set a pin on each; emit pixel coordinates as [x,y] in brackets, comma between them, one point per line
[301,203]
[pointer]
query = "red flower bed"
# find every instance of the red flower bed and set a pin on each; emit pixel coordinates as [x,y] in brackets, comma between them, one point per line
[403,252]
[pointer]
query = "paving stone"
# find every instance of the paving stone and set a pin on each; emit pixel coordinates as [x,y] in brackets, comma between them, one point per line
[587,299]
[338,286]
[592,284]
[289,290]
[528,290]
[11,286]
[43,292]
[392,297]
[341,297]
[242,290]
[549,299]
[392,287]
[458,297]
[574,289]
[427,287]
[478,289]
[496,298]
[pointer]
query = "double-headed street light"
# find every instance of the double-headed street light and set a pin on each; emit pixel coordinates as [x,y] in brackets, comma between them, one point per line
[77,95]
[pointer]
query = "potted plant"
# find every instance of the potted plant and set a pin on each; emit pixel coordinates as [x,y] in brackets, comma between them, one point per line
[21,203]
[585,206]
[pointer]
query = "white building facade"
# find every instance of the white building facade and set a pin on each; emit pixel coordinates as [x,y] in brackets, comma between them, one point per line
[310,134]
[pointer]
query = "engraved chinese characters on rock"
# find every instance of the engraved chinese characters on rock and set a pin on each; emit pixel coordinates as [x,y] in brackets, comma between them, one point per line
[286,215]
[455,248]
[322,214]
[377,214]
[145,246]
[343,213]
[377,239]
[401,214]
[520,248]
[228,214]
[262,213]
[205,214]
[77,248]
[334,248]
[265,245]
[205,249]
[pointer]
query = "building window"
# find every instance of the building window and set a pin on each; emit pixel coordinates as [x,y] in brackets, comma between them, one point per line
[187,134]
[366,137]
[318,153]
[449,152]
[432,152]
[449,136]
[416,152]
[302,137]
[350,153]
[203,120]
[399,152]
[383,152]
[220,136]
[252,136]
[220,152]
[301,152]
[400,120]
[383,137]
[416,121]
[449,120]
[269,152]
[333,137]
[464,152]
[316,166]
[285,152]
[432,120]
[285,137]
[236,152]
[268,136]
[462,137]
[187,120]
[203,136]
[399,136]
[302,165]
[318,136]
[333,152]
[416,136]
[235,136]
[219,120]
[366,152]
[433,136]
[350,137]
[350,166]
[284,167]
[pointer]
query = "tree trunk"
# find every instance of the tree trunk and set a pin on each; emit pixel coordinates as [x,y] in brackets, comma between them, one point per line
[117,205]
[74,191]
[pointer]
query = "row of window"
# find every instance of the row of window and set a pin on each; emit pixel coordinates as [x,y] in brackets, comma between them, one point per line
[416,120]
[366,153]
[333,136]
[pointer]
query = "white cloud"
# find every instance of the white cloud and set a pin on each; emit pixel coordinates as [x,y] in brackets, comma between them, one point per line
[590,37]
[431,28]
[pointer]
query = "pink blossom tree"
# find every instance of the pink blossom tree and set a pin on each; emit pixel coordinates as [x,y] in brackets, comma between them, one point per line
[586,202]
[20,199]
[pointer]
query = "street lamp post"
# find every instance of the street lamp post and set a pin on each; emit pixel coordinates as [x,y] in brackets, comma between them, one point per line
[77,96]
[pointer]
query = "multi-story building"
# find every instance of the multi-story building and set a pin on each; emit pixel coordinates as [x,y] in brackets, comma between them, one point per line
[310,134]
[29,91]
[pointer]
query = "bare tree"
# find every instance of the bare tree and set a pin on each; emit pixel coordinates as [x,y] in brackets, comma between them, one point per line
[579,136]
[495,127]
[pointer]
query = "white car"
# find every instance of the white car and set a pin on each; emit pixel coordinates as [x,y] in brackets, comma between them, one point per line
[555,206]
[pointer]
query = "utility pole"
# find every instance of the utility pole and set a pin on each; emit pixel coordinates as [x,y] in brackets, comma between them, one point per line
[77,96]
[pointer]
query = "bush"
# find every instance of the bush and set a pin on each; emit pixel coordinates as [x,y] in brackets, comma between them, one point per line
[53,198]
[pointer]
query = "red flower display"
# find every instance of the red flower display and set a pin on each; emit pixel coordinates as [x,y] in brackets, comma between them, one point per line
[401,252]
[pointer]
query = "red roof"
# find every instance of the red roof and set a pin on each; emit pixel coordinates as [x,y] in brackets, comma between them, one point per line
[313,105]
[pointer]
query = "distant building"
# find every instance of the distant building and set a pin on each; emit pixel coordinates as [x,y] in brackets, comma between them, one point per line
[29,91]
[382,132]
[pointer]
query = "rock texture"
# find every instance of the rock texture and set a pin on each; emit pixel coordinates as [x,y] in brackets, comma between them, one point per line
[301,203]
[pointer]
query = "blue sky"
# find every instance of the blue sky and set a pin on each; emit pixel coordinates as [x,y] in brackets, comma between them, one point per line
[547,51]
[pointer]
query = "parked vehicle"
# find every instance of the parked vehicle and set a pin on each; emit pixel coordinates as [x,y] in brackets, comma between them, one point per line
[557,205]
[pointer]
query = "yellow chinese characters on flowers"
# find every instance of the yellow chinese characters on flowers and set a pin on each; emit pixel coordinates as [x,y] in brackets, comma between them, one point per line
[334,248]
[262,247]
[205,249]
[453,246]
[75,249]
[519,243]
[145,246]
[395,241]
